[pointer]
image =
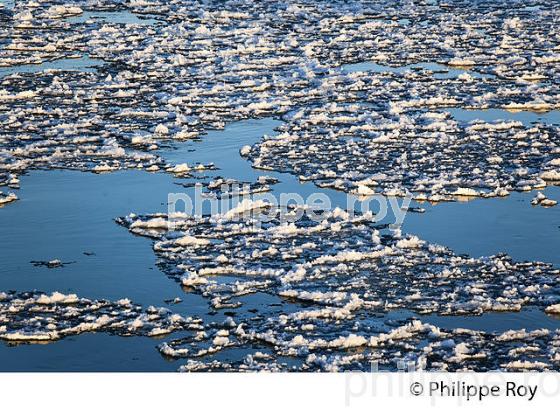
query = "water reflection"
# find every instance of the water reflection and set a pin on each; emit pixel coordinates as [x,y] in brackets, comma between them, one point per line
[115,17]
[84,63]
[439,71]
[527,118]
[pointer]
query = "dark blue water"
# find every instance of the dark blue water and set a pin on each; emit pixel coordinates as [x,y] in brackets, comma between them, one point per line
[95,352]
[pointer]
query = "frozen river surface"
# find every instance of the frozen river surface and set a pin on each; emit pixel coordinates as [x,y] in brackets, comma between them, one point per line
[68,216]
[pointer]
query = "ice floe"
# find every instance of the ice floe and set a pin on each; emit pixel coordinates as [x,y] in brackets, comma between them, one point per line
[338,286]
[40,317]
[236,66]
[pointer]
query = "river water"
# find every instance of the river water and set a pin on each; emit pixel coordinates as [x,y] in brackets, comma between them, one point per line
[69,215]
